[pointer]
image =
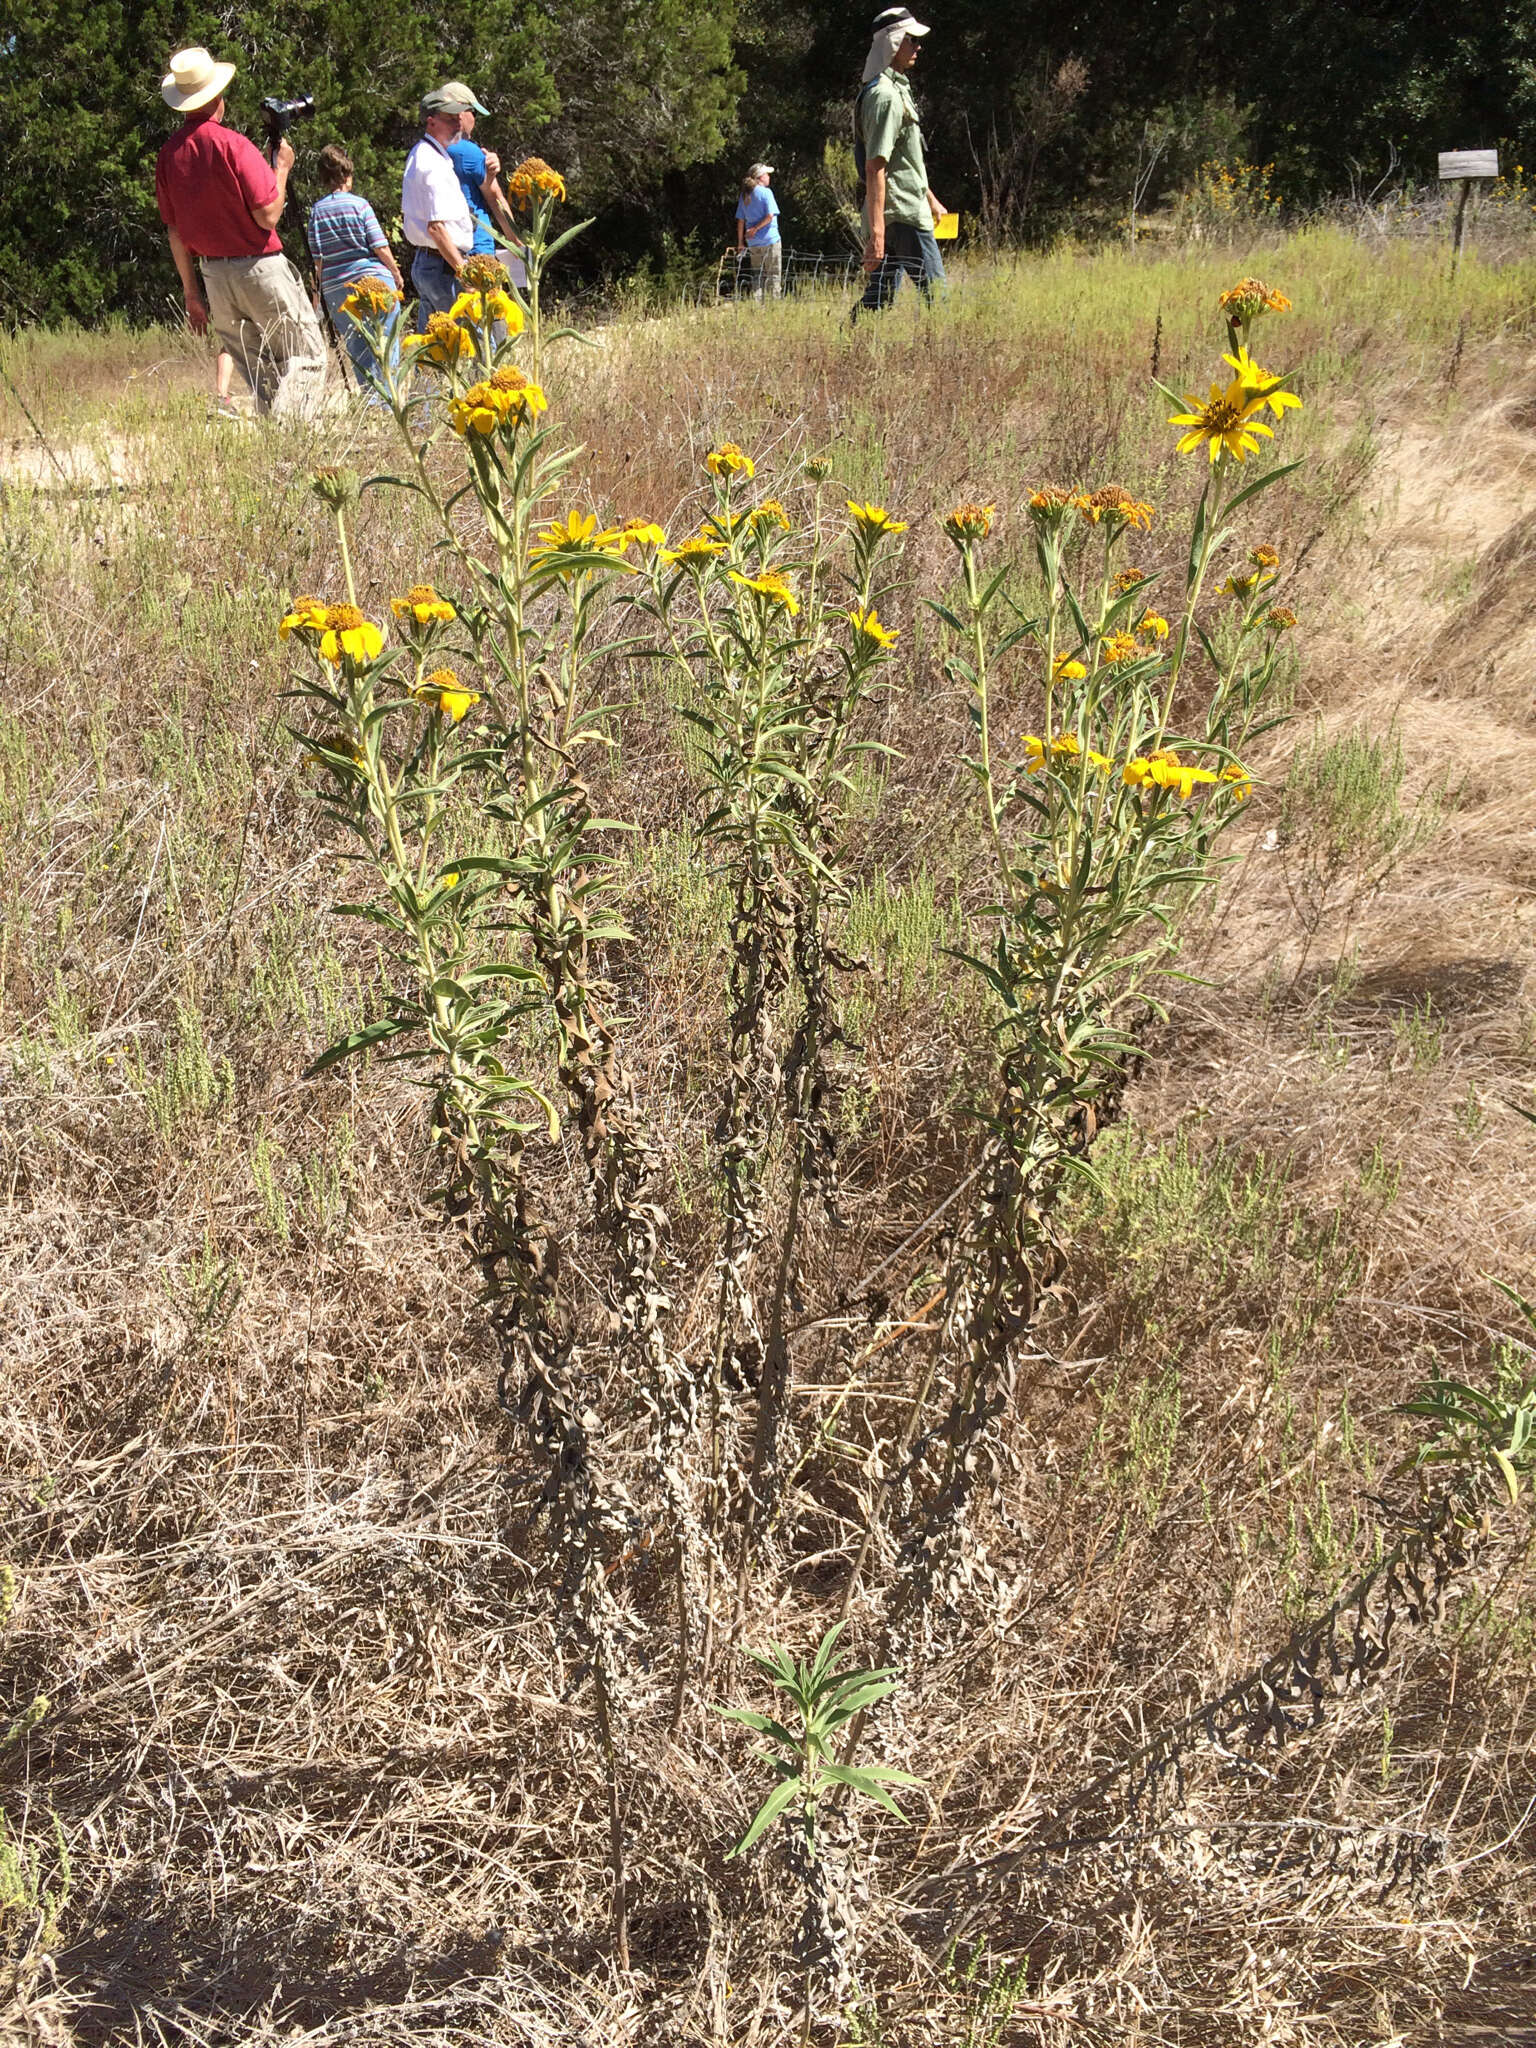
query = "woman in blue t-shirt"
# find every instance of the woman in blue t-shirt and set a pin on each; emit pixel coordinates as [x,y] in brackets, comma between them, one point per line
[348,245]
[757,230]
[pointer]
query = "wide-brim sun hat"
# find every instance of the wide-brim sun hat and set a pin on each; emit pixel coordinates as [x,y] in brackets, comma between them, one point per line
[898,17]
[194,80]
[451,98]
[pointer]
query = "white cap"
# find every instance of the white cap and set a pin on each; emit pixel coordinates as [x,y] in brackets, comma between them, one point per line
[895,18]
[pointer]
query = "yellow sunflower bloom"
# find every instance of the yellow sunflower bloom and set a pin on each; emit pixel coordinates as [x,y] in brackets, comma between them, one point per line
[769,513]
[1268,389]
[484,309]
[698,548]
[442,691]
[969,522]
[533,177]
[444,342]
[873,519]
[307,615]
[1152,626]
[728,460]
[1117,509]
[575,530]
[1264,557]
[1240,780]
[1067,669]
[370,299]
[868,627]
[1248,298]
[771,586]
[1117,648]
[422,604]
[1223,423]
[634,533]
[348,636]
[1280,618]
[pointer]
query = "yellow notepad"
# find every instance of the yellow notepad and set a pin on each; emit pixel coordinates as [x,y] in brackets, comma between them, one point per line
[946,228]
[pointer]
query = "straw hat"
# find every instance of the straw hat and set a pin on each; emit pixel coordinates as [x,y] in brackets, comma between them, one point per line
[194,80]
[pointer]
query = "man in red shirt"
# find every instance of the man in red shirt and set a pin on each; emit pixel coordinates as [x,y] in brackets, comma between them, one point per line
[221,201]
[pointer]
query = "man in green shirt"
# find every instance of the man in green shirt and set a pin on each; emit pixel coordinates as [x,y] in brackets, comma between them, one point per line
[900,210]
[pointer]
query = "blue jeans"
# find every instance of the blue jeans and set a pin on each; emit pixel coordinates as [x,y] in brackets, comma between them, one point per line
[436,286]
[909,252]
[364,362]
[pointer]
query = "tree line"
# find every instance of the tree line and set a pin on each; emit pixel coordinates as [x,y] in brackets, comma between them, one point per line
[1036,119]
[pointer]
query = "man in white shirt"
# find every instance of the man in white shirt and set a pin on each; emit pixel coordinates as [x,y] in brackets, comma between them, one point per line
[436,214]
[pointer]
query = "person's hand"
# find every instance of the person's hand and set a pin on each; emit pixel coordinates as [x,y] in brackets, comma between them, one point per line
[937,208]
[874,252]
[197,312]
[493,163]
[282,156]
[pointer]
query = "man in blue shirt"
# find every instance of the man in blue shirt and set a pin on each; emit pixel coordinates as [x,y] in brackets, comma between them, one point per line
[757,231]
[479,175]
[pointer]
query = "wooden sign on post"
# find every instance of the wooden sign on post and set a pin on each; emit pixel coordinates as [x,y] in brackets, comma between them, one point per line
[1468,163]
[1463,166]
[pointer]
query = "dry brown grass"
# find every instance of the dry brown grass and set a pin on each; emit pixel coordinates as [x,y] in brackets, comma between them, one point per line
[324,1768]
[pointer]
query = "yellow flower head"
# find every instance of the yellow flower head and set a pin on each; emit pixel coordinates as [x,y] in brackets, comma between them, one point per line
[769,513]
[1240,781]
[348,636]
[728,460]
[442,691]
[503,401]
[1067,669]
[1223,423]
[697,549]
[1248,298]
[1117,648]
[484,309]
[1050,505]
[422,604]
[1164,770]
[1066,746]
[1280,618]
[1117,509]
[533,179]
[868,628]
[444,343]
[1128,580]
[306,615]
[1264,557]
[483,274]
[969,522]
[575,530]
[870,520]
[634,533]
[1152,626]
[370,299]
[1266,388]
[771,586]
[818,468]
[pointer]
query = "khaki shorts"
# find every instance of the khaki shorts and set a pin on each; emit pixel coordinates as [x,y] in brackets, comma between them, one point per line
[258,307]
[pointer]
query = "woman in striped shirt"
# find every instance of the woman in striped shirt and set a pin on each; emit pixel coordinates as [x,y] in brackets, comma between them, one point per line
[348,245]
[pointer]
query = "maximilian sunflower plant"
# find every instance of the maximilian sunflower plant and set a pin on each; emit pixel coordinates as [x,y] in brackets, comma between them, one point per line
[460,759]
[1106,768]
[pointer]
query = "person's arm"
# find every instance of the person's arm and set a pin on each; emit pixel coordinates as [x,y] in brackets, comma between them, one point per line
[386,256]
[191,293]
[937,208]
[741,231]
[874,183]
[446,246]
[498,205]
[269,215]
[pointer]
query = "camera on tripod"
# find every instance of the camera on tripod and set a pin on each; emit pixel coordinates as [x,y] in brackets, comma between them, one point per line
[280,115]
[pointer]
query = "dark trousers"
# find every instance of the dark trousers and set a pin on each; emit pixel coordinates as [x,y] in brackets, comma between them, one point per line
[909,252]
